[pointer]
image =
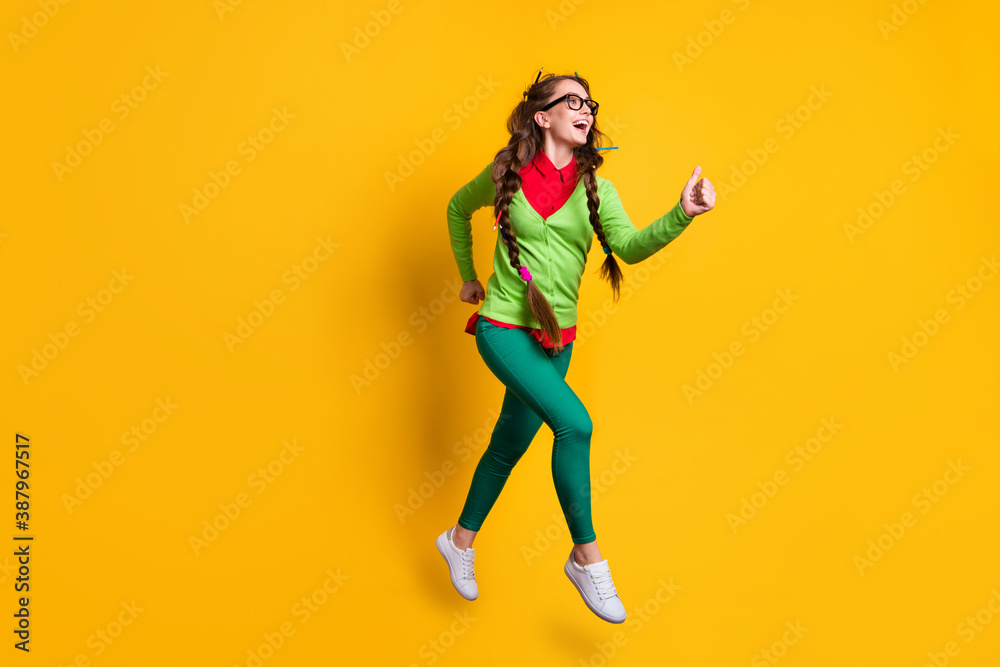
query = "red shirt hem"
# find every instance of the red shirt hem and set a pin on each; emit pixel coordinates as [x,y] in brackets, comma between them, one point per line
[568,334]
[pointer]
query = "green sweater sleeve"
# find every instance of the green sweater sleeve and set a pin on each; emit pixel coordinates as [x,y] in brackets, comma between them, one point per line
[471,197]
[633,245]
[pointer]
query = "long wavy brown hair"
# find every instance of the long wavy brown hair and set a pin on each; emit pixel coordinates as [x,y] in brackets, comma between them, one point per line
[526,137]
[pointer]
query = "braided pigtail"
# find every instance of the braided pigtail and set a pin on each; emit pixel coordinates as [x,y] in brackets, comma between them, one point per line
[508,182]
[609,269]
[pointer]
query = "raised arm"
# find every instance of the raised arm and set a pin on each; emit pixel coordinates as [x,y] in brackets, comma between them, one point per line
[633,245]
[471,197]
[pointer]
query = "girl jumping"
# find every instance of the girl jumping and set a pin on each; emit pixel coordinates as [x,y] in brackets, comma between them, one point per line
[549,204]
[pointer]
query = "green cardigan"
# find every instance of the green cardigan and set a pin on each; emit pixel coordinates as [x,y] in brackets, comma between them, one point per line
[554,250]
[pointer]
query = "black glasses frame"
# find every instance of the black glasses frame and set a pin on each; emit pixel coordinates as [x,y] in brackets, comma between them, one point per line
[591,104]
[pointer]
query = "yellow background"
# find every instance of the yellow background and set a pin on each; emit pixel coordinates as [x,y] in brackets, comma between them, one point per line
[365,449]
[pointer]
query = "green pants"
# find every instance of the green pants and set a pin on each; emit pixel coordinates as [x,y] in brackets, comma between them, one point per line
[536,391]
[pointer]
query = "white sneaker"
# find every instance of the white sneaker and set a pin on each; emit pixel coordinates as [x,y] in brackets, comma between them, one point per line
[595,586]
[460,565]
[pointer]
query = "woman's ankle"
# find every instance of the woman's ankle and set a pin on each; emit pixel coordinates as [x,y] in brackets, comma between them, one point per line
[463,537]
[587,554]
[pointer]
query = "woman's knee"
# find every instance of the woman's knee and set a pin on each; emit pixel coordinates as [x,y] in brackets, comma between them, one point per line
[578,428]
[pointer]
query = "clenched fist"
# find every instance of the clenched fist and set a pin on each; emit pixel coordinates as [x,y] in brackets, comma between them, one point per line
[472,292]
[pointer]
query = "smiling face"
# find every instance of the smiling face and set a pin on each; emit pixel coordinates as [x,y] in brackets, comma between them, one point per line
[569,126]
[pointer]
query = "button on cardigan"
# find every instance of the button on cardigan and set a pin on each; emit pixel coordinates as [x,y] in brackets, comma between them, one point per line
[554,249]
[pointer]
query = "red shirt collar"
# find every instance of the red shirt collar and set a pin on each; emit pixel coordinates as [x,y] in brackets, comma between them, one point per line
[543,164]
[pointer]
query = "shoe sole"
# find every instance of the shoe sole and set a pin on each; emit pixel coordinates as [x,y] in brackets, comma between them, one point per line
[600,615]
[442,544]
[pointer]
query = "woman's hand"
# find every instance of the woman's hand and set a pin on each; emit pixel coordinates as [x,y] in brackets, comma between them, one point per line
[472,292]
[697,198]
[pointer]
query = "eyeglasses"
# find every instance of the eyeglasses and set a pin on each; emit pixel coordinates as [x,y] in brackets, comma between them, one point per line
[574,102]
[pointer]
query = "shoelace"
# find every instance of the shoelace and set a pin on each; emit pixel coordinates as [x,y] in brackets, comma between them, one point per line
[600,575]
[468,562]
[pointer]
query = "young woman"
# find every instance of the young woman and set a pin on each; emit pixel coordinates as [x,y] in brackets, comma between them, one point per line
[549,204]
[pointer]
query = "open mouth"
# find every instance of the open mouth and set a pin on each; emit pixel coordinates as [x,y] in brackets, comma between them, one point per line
[581,125]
